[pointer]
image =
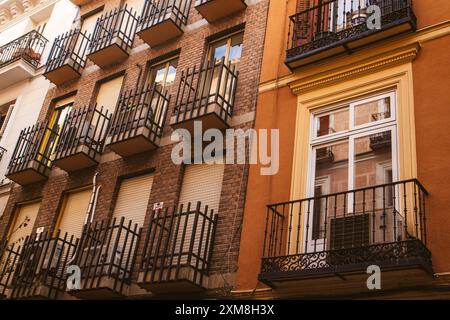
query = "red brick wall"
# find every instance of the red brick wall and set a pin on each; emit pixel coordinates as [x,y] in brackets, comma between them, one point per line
[168,177]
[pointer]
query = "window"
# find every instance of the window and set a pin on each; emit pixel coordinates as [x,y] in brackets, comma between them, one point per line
[353,146]
[61,110]
[163,74]
[108,94]
[229,49]
[5,114]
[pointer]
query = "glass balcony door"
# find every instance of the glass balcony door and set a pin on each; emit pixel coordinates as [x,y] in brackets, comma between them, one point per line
[352,147]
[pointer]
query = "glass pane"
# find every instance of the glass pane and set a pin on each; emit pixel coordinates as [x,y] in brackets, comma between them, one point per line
[373,168]
[373,111]
[334,122]
[236,49]
[331,177]
[219,50]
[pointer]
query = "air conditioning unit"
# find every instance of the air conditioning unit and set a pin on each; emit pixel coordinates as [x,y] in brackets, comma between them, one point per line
[358,230]
[96,260]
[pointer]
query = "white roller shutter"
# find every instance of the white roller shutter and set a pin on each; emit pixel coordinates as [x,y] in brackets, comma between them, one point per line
[74,213]
[202,183]
[132,201]
[24,220]
[108,94]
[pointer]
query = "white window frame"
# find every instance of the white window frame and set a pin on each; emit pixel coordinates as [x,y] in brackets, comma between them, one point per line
[350,135]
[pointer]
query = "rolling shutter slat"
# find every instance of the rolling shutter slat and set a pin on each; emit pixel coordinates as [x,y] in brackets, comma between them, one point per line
[74,213]
[18,235]
[133,198]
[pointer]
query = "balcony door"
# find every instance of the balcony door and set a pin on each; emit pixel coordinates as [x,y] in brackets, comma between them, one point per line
[353,146]
[162,76]
[228,50]
[61,110]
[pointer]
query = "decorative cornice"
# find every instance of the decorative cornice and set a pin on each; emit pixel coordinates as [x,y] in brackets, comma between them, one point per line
[374,64]
[12,10]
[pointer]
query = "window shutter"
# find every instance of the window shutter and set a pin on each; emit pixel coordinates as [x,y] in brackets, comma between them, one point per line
[74,213]
[108,94]
[133,198]
[200,183]
[24,220]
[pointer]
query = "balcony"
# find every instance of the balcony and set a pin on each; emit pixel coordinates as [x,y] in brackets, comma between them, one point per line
[177,250]
[380,141]
[333,27]
[113,37]
[106,255]
[80,2]
[163,20]
[82,139]
[9,256]
[67,58]
[206,94]
[138,122]
[40,272]
[325,244]
[30,161]
[213,10]
[20,58]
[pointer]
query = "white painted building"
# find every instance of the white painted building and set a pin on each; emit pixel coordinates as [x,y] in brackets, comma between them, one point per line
[27,31]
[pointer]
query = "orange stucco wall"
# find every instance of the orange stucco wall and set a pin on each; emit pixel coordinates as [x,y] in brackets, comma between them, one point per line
[431,71]
[275,109]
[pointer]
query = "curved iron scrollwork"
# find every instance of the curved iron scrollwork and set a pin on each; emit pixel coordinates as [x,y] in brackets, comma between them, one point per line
[393,254]
[28,47]
[315,29]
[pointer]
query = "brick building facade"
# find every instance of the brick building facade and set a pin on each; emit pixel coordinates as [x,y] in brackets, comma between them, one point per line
[191,49]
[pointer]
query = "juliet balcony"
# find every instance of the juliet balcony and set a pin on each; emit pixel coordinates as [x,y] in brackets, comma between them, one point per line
[332,27]
[82,139]
[177,250]
[113,37]
[31,158]
[207,94]
[67,57]
[138,122]
[328,242]
[106,255]
[213,10]
[163,20]
[20,58]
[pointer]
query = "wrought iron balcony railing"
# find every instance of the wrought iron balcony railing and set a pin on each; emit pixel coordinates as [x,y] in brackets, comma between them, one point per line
[41,267]
[342,24]
[206,93]
[9,256]
[384,225]
[138,121]
[31,161]
[177,249]
[28,47]
[162,20]
[113,36]
[67,57]
[106,255]
[82,138]
[213,10]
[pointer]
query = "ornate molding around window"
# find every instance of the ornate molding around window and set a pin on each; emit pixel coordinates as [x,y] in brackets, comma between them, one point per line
[374,64]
